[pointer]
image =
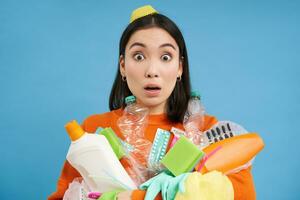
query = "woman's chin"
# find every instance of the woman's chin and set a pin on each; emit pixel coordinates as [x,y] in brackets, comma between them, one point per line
[155,104]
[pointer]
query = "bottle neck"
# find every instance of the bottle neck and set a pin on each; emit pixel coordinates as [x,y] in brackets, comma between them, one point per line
[130,103]
[195,98]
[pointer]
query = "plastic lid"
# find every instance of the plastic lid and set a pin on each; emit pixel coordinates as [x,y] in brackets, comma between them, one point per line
[195,94]
[130,99]
[74,130]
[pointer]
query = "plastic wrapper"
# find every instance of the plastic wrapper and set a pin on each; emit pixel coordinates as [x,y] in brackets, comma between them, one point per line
[77,190]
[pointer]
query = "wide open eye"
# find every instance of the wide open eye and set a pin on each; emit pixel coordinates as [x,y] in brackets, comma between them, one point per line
[166,57]
[139,57]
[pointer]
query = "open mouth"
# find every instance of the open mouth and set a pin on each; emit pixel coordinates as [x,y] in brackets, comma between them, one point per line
[150,88]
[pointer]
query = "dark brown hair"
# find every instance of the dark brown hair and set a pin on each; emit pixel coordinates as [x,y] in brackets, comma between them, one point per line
[178,100]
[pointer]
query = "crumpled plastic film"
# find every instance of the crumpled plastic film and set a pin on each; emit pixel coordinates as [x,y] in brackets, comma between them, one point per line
[77,190]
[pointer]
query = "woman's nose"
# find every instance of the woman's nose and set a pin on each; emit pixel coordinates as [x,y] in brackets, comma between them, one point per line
[152,71]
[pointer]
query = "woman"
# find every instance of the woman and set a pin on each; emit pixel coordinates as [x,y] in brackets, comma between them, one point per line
[153,66]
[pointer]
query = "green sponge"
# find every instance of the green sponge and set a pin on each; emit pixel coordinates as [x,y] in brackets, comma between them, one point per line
[182,157]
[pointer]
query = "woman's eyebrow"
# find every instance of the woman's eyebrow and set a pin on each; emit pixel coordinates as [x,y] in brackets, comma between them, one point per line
[161,46]
[137,44]
[168,45]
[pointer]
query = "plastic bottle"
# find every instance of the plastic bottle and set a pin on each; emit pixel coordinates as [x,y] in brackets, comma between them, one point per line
[134,120]
[132,124]
[92,156]
[194,119]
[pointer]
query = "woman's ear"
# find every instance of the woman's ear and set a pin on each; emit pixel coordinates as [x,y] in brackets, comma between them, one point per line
[122,65]
[180,69]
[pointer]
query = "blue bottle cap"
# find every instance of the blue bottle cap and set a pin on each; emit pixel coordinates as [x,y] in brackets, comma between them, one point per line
[130,99]
[195,94]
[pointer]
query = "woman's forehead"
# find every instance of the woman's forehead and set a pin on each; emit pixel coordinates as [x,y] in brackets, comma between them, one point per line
[153,37]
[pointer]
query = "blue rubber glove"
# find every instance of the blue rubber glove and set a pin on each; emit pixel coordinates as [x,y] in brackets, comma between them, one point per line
[155,184]
[173,185]
[166,183]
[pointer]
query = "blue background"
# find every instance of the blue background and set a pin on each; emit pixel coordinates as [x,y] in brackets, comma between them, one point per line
[58,59]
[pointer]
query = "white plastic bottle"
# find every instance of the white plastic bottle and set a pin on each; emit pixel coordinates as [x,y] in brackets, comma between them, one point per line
[194,119]
[92,156]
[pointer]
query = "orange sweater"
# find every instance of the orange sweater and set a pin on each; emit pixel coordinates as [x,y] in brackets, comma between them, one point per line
[242,181]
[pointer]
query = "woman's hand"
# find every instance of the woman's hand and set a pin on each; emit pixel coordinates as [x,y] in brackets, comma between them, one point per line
[125,195]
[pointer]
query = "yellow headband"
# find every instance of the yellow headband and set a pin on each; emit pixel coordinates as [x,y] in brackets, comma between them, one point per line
[141,12]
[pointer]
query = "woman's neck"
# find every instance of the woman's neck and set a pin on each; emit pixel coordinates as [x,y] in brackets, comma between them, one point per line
[157,109]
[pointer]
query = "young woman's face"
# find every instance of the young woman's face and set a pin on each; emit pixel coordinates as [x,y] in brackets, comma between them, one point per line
[151,66]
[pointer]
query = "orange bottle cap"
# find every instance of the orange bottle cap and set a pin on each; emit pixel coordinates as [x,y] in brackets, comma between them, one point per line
[74,130]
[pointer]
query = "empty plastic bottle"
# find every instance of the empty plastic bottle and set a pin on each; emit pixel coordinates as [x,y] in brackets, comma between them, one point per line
[194,119]
[134,120]
[132,124]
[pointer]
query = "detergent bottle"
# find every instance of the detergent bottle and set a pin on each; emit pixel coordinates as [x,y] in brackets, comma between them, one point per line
[92,156]
[194,119]
[132,125]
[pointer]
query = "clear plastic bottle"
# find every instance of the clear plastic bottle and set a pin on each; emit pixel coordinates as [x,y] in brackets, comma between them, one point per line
[132,124]
[134,120]
[194,119]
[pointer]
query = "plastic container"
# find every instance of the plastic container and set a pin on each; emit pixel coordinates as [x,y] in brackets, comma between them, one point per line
[132,125]
[134,120]
[92,156]
[194,119]
[235,153]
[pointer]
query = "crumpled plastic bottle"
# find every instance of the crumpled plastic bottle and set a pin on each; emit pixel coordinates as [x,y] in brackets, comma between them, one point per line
[132,125]
[194,119]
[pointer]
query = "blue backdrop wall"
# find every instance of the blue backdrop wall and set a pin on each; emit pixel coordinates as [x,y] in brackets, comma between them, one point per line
[58,59]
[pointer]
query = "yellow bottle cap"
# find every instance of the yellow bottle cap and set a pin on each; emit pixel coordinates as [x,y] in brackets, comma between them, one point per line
[74,130]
